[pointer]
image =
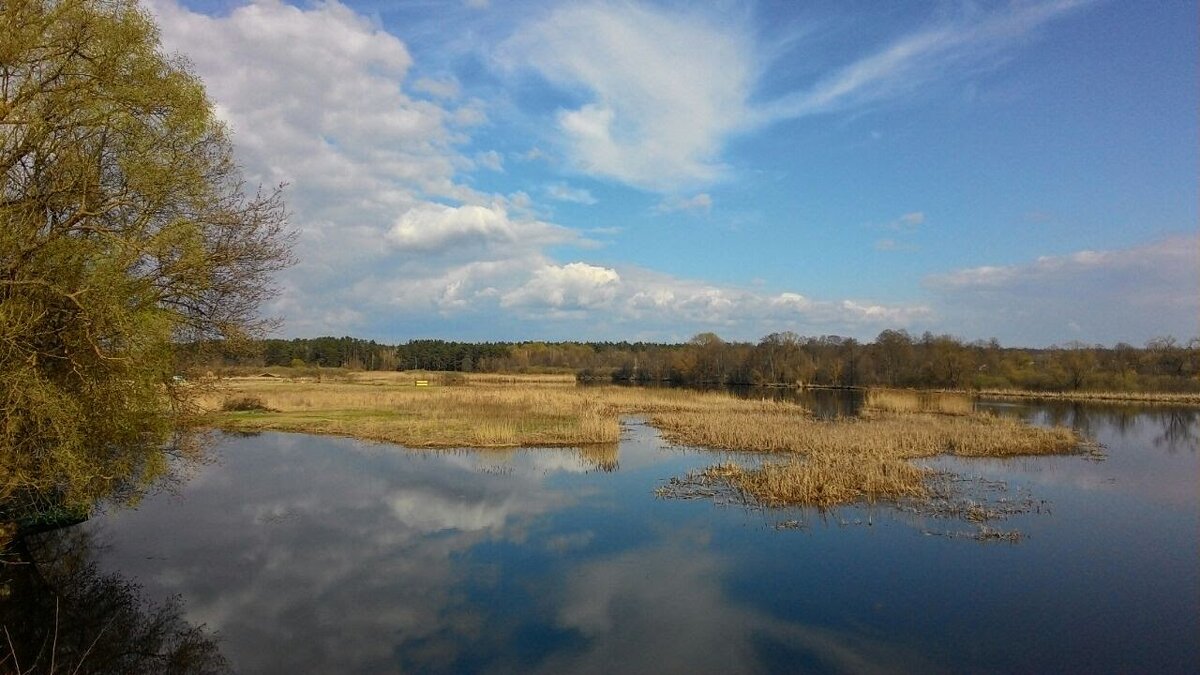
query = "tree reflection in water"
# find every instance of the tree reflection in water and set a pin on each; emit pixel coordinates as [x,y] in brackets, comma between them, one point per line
[60,614]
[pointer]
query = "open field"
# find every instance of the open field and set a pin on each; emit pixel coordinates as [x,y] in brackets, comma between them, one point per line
[827,461]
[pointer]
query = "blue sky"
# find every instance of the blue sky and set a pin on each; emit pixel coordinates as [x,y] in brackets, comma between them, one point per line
[638,170]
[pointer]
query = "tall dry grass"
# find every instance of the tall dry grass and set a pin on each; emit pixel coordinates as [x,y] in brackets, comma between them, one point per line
[1144,397]
[479,413]
[902,435]
[912,401]
[854,459]
[819,480]
[828,461]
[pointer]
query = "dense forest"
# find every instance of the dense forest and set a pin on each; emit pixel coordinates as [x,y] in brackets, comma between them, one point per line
[894,358]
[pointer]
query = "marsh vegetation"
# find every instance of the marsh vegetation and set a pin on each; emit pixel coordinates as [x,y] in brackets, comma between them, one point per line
[818,462]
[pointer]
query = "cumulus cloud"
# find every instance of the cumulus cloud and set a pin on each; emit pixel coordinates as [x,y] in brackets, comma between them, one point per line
[573,286]
[666,86]
[315,98]
[1127,294]
[661,302]
[435,227]
[323,99]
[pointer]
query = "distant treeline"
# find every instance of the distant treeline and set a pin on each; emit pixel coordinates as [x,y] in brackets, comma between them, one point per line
[895,358]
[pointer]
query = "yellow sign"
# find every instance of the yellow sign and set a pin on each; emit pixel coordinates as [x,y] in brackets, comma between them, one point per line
[422,383]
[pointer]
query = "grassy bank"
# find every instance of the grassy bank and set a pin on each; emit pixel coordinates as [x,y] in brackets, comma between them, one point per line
[485,411]
[1142,397]
[822,462]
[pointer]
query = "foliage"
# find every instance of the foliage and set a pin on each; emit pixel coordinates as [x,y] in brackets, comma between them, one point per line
[894,359]
[244,404]
[124,229]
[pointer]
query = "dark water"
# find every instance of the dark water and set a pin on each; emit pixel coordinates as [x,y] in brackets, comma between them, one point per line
[325,555]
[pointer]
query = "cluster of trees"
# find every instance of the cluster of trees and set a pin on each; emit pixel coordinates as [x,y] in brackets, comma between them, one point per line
[894,358]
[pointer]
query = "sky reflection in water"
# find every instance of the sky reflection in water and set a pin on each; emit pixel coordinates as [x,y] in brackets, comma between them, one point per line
[312,554]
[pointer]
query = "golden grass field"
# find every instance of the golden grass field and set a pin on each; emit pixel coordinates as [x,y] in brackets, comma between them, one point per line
[825,462]
[483,411]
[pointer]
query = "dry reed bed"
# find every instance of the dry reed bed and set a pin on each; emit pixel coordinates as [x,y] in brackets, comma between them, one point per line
[477,414]
[909,400]
[828,462]
[1147,397]
[847,460]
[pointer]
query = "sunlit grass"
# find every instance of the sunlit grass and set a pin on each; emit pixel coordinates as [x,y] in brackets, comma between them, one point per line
[830,462]
[912,401]
[824,462]
[1147,397]
[475,412]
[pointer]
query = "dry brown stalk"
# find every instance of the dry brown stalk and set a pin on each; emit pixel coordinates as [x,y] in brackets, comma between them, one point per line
[828,461]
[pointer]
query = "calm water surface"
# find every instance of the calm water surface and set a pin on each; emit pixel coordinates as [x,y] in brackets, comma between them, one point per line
[323,555]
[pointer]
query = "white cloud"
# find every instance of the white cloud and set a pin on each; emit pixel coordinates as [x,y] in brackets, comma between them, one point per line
[315,99]
[918,58]
[699,203]
[447,87]
[573,286]
[434,227]
[565,193]
[388,234]
[666,87]
[1129,294]
[661,302]
[490,160]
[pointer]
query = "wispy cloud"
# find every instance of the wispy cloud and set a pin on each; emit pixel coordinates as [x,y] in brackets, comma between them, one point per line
[915,59]
[565,193]
[889,244]
[490,160]
[666,88]
[698,203]
[1111,295]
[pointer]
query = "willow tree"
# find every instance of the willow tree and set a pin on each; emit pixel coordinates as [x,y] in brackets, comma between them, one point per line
[125,231]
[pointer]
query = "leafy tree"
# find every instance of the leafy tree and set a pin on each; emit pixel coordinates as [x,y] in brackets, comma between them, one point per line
[124,231]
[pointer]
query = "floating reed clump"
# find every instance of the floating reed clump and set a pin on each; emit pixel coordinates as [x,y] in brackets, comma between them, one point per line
[848,460]
[820,481]
[910,401]
[881,435]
